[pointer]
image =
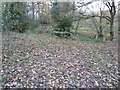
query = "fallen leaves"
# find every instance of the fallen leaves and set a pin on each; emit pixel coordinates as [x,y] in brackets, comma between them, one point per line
[109,85]
[97,84]
[40,61]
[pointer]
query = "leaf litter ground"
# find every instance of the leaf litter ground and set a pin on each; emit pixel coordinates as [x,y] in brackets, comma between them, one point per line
[35,61]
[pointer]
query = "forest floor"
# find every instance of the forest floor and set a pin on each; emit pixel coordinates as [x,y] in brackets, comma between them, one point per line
[35,61]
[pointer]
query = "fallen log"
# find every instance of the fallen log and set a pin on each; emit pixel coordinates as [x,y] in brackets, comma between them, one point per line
[62,34]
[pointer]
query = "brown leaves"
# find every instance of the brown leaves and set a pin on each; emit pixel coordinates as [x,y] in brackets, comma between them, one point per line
[42,61]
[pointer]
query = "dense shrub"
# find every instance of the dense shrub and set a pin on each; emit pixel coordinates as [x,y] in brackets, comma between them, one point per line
[61,14]
[14,19]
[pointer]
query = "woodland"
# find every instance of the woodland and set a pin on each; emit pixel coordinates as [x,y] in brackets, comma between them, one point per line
[51,44]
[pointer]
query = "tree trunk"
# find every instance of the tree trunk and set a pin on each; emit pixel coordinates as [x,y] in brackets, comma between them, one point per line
[119,17]
[112,10]
[76,29]
[39,10]
[33,11]
[100,34]
[111,29]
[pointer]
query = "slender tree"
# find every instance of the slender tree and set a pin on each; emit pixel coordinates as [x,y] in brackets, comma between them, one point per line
[100,34]
[33,10]
[119,17]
